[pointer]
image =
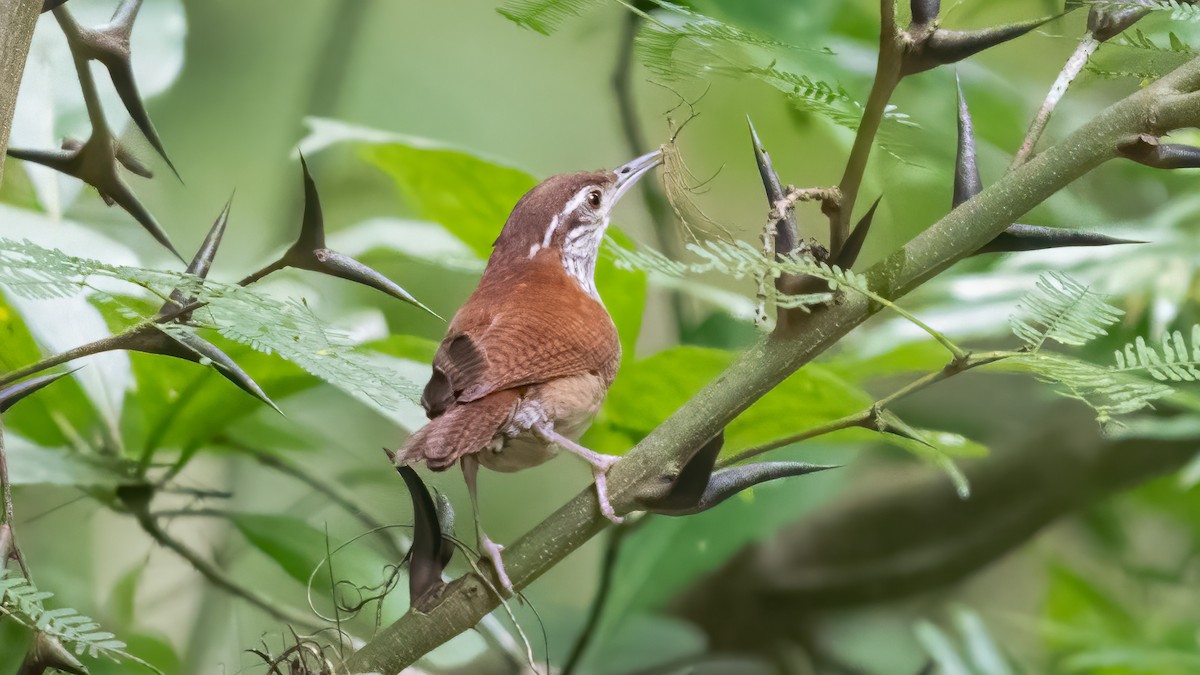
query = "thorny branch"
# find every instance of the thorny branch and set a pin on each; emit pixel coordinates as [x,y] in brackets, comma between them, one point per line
[1170,103]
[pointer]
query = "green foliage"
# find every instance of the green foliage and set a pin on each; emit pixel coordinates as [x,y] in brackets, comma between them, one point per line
[1176,362]
[1065,311]
[544,16]
[287,328]
[21,601]
[1062,310]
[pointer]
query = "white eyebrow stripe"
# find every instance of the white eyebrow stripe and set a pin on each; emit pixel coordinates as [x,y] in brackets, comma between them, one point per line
[577,200]
[550,232]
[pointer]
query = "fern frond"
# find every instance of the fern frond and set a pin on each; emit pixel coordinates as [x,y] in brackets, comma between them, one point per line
[544,16]
[1108,391]
[286,328]
[740,260]
[1176,362]
[22,601]
[1062,310]
[1179,11]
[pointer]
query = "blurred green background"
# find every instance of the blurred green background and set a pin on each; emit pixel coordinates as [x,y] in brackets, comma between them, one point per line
[1066,560]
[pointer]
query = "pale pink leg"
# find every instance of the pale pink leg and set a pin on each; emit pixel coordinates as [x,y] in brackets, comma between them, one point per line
[600,466]
[470,469]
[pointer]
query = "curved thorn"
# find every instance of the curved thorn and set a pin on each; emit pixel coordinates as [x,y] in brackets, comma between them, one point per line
[950,46]
[224,365]
[131,162]
[731,480]
[1105,23]
[924,11]
[425,556]
[120,193]
[1036,237]
[967,182]
[120,71]
[203,259]
[854,243]
[47,652]
[786,231]
[312,226]
[13,393]
[327,261]
[309,252]
[1146,149]
[687,488]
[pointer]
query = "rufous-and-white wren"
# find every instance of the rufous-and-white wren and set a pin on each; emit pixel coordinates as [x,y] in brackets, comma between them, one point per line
[528,359]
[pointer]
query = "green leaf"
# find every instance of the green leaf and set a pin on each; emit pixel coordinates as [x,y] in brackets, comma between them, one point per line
[1089,611]
[54,412]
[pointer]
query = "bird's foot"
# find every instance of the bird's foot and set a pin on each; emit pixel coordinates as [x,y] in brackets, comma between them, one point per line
[600,465]
[492,551]
[600,474]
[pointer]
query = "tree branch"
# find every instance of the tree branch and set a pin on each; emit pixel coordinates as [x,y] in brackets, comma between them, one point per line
[17,19]
[888,73]
[1167,104]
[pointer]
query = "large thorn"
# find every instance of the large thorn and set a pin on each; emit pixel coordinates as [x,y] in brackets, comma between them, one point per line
[109,44]
[1105,23]
[119,192]
[924,12]
[309,252]
[96,165]
[950,46]
[46,652]
[202,351]
[786,232]
[854,243]
[731,480]
[200,265]
[967,182]
[425,559]
[1146,149]
[13,393]
[686,489]
[1035,238]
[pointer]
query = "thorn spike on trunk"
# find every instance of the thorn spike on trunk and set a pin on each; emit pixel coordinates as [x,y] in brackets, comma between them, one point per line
[1019,238]
[425,558]
[13,393]
[1148,150]
[202,261]
[967,182]
[950,46]
[854,243]
[786,232]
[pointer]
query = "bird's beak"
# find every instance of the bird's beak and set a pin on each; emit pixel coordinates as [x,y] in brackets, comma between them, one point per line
[629,174]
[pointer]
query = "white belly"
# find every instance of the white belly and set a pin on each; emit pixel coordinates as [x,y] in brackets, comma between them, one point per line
[569,404]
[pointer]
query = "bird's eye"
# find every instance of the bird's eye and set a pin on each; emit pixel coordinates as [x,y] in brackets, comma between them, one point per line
[594,199]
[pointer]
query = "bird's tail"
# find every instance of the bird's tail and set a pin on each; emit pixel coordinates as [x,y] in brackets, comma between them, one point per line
[461,430]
